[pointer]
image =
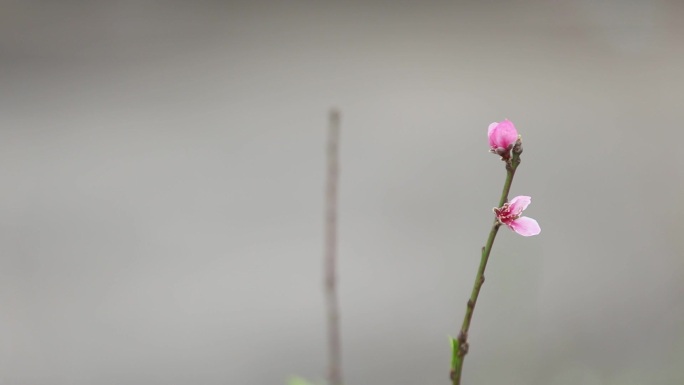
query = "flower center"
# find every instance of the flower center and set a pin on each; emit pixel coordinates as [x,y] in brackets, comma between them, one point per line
[505,215]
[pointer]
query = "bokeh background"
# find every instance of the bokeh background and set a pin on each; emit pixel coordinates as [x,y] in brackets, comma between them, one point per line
[162,168]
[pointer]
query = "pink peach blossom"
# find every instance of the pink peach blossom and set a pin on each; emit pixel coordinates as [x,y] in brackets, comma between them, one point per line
[509,215]
[502,137]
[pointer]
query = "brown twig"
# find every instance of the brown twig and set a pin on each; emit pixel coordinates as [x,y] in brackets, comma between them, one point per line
[330,253]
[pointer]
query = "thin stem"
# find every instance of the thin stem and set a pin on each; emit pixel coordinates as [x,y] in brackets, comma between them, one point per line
[460,348]
[330,253]
[510,172]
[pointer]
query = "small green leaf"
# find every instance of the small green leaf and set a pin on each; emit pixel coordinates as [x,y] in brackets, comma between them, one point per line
[454,352]
[456,361]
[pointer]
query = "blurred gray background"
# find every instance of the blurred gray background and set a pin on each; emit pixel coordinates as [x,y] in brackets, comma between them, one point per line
[162,168]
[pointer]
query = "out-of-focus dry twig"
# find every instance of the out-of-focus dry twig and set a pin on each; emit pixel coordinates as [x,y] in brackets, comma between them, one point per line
[330,252]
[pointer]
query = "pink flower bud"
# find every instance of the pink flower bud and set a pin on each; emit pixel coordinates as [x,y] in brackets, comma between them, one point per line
[509,215]
[502,137]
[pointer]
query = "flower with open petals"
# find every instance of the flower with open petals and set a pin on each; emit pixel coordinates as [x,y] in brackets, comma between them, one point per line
[502,137]
[509,215]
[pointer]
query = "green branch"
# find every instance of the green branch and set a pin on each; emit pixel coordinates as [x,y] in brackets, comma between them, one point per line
[460,345]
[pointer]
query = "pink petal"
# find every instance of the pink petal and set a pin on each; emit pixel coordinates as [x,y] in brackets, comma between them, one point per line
[525,226]
[491,127]
[519,203]
[502,134]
